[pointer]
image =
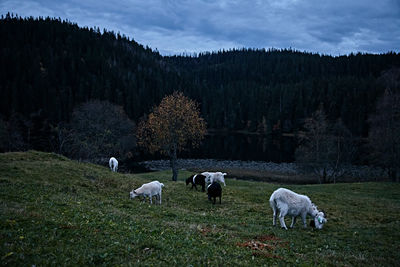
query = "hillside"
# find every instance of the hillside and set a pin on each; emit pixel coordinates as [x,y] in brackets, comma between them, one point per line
[55,211]
[49,66]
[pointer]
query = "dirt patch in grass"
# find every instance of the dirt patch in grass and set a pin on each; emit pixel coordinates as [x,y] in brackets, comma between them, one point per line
[264,246]
[264,242]
[256,245]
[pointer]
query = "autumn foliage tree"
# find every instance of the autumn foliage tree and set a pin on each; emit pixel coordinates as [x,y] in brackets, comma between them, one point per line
[173,126]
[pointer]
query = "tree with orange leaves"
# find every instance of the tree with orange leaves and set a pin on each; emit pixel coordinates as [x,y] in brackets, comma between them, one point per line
[173,126]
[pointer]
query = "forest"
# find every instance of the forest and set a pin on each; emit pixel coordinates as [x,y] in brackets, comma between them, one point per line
[49,67]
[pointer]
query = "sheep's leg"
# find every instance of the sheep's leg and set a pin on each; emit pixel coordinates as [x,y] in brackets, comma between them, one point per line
[151,199]
[160,197]
[202,188]
[282,220]
[282,215]
[293,221]
[219,199]
[304,219]
[274,216]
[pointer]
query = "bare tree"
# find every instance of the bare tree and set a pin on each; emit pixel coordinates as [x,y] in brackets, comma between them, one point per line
[97,130]
[384,135]
[344,149]
[324,148]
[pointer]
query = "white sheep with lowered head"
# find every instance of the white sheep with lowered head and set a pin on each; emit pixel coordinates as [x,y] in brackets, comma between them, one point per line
[214,177]
[148,190]
[293,204]
[113,163]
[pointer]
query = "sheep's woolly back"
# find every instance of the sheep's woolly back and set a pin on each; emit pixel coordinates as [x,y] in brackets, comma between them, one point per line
[154,186]
[293,200]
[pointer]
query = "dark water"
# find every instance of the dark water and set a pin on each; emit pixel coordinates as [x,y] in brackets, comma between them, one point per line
[237,146]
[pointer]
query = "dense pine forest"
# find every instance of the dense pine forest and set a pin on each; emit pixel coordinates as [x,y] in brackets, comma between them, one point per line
[49,66]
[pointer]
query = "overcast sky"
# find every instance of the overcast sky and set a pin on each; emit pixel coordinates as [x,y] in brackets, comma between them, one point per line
[334,27]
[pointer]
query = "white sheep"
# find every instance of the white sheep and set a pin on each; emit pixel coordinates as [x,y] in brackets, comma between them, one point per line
[214,177]
[148,190]
[293,204]
[113,162]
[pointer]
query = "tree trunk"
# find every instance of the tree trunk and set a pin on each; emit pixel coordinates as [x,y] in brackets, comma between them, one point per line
[393,174]
[324,176]
[174,168]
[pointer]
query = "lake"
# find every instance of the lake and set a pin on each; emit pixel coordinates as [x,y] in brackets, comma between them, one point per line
[242,146]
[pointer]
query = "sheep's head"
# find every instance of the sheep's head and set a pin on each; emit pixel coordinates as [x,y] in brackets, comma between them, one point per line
[188,180]
[319,220]
[132,194]
[220,175]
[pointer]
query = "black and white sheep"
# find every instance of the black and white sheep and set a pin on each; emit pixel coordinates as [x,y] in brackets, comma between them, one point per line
[293,204]
[148,190]
[113,163]
[197,179]
[214,190]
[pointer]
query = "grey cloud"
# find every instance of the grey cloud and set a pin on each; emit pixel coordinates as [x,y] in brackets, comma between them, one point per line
[176,26]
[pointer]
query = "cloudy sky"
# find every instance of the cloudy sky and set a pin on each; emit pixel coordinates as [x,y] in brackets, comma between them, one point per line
[333,27]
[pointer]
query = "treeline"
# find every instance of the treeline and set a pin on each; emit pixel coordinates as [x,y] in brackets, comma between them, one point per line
[277,89]
[50,66]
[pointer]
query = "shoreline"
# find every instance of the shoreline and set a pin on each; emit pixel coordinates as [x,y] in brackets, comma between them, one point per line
[265,171]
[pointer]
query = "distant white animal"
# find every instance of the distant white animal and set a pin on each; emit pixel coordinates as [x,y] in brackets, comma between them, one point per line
[113,162]
[293,204]
[148,190]
[214,177]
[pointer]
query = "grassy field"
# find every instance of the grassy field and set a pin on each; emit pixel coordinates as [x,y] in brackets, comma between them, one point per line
[54,211]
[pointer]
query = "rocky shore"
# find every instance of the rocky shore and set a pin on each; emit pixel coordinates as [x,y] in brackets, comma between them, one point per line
[213,164]
[358,173]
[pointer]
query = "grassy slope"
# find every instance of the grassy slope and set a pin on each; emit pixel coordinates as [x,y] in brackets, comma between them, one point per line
[57,211]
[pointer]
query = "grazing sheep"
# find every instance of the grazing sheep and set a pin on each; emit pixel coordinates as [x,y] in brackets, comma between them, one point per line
[214,176]
[293,204]
[113,162]
[214,190]
[197,179]
[148,190]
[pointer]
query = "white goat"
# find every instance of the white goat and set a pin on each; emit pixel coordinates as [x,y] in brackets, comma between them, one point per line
[113,162]
[293,204]
[214,177]
[148,190]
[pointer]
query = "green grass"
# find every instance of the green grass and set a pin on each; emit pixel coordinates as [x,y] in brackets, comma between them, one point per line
[54,211]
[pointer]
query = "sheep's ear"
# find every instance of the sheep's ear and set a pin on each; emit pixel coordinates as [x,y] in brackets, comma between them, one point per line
[324,213]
